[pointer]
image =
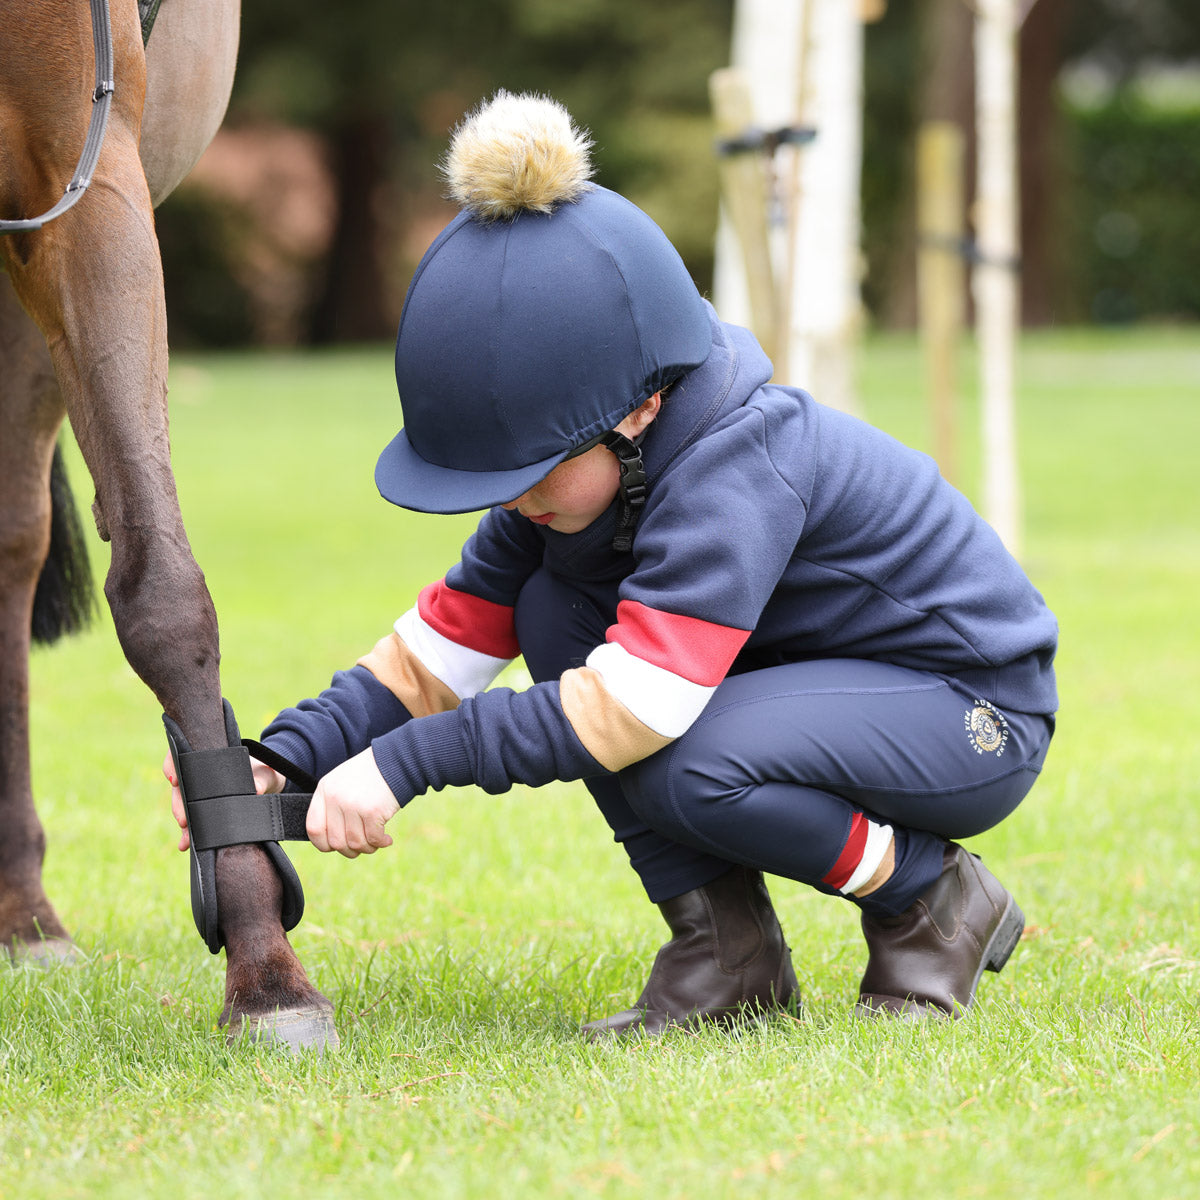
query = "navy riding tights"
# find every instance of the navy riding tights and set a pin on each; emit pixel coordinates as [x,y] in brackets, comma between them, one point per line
[785,760]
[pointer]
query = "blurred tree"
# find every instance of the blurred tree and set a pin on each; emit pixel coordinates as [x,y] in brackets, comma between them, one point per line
[1043,50]
[1121,36]
[1132,161]
[380,83]
[384,80]
[1134,240]
[921,66]
[206,305]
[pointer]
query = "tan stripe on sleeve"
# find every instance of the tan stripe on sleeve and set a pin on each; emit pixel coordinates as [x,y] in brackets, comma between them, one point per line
[407,678]
[611,734]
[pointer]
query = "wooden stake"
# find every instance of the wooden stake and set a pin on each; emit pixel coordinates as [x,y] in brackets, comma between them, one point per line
[941,277]
[744,194]
[995,280]
[824,304]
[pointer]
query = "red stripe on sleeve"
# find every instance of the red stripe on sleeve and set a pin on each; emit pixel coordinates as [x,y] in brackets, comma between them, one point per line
[480,625]
[696,650]
[851,854]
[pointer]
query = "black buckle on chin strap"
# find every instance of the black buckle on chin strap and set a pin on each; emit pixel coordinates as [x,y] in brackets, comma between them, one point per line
[632,487]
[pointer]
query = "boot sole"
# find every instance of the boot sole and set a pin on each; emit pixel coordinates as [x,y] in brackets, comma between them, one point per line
[1002,943]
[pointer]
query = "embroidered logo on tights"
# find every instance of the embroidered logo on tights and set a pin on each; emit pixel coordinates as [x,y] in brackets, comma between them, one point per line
[986,728]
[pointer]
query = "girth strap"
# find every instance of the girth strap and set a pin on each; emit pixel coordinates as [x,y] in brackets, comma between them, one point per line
[102,96]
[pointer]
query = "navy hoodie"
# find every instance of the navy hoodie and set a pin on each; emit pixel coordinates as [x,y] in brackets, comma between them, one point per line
[775,528]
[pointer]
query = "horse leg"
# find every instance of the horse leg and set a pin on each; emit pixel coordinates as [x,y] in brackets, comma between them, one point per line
[93,282]
[30,930]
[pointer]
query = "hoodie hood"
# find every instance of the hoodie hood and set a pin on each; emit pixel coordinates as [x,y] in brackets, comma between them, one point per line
[734,370]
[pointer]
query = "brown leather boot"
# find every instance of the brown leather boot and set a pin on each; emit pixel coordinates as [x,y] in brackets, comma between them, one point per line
[927,961]
[726,961]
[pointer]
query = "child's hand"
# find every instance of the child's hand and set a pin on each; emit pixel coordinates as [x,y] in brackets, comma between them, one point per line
[265,780]
[350,808]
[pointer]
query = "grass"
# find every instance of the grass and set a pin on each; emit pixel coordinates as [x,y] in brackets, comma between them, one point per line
[462,961]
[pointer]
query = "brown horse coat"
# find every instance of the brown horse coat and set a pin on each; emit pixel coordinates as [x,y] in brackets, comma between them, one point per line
[83,335]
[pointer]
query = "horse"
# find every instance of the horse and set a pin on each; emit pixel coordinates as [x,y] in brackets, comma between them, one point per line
[83,336]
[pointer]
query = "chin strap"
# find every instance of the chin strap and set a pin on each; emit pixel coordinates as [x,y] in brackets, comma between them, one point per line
[632,492]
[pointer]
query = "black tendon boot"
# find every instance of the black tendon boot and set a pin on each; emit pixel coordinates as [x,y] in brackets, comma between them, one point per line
[927,961]
[726,961]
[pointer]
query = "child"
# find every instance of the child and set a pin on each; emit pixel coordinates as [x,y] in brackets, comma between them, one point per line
[768,637]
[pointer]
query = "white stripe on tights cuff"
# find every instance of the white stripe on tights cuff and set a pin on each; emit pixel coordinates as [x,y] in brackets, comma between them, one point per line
[879,838]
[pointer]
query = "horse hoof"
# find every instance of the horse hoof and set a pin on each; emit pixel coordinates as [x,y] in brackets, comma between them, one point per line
[295,1030]
[46,953]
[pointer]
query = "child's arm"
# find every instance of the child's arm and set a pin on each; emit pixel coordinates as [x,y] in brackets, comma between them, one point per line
[450,645]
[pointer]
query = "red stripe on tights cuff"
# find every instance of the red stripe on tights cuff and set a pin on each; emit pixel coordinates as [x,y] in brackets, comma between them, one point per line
[851,854]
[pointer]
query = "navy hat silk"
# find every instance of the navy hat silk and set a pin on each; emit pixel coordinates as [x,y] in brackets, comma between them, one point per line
[522,339]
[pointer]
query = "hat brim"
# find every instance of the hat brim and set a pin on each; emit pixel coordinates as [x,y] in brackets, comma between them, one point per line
[406,479]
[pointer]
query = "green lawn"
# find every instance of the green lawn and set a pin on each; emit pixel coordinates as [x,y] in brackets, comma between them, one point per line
[462,960]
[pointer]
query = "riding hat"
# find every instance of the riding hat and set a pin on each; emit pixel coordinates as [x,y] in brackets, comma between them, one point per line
[543,314]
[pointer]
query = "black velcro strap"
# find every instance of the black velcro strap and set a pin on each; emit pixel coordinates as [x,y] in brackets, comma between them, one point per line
[288,769]
[234,819]
[223,809]
[208,773]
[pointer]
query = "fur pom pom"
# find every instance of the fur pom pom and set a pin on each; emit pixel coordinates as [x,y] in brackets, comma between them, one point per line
[516,153]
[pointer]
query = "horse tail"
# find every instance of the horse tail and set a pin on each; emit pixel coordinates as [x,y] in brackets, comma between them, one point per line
[65,600]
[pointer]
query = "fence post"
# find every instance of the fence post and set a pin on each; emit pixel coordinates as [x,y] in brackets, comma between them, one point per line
[941,278]
[744,194]
[997,299]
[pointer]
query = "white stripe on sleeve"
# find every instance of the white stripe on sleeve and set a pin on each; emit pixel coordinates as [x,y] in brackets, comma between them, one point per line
[462,670]
[660,699]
